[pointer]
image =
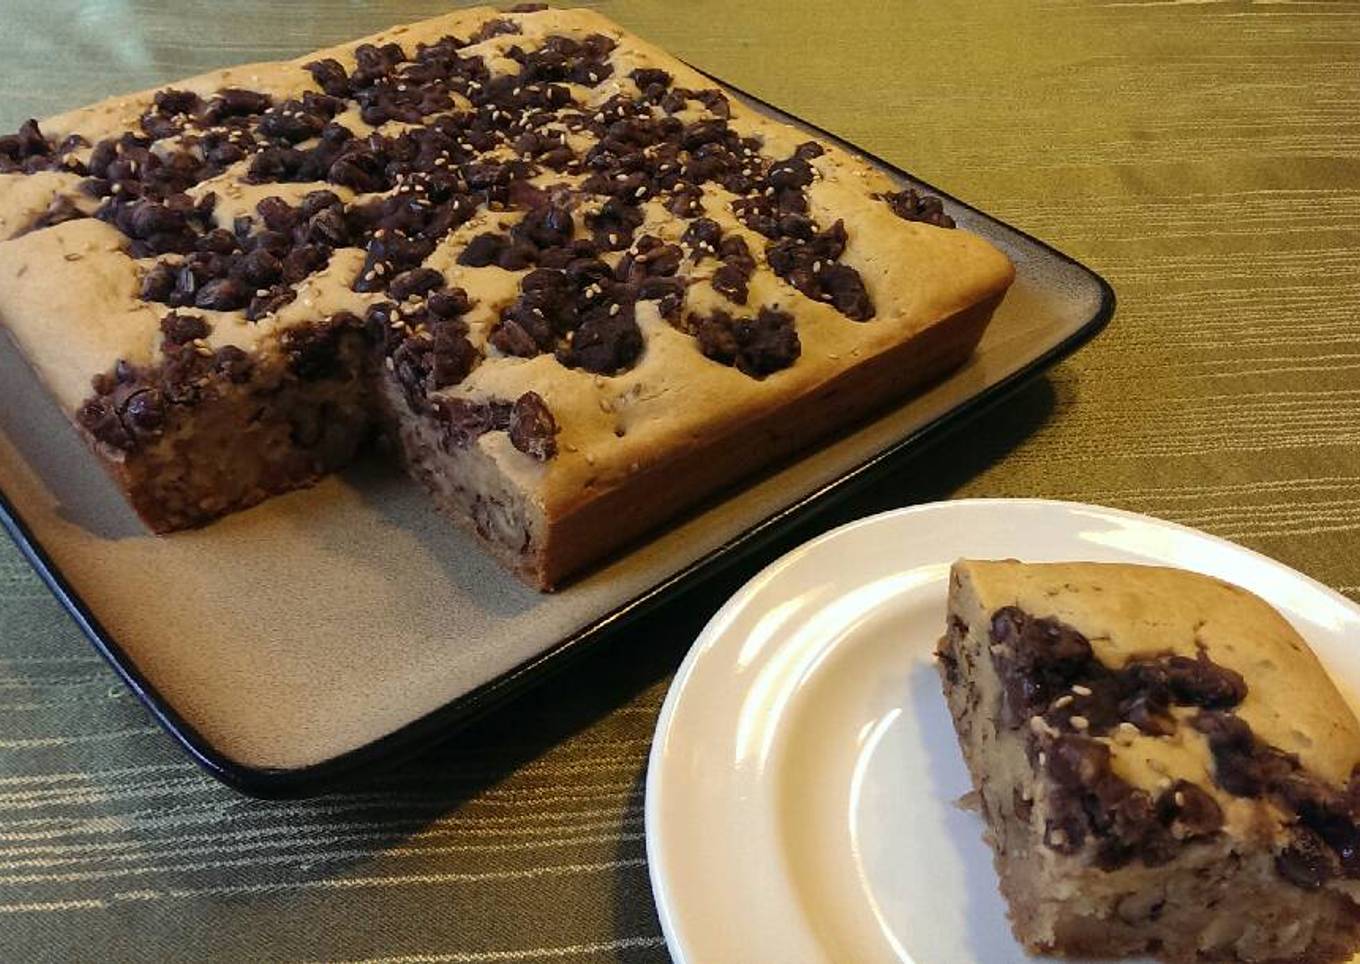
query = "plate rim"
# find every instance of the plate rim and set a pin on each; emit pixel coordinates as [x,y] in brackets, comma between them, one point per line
[654,785]
[443,722]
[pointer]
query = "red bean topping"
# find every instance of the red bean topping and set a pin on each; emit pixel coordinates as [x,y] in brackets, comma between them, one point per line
[533,430]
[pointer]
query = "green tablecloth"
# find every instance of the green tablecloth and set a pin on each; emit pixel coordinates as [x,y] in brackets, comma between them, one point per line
[1202,155]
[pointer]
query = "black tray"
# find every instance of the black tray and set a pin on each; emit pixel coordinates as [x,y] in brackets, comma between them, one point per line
[276,694]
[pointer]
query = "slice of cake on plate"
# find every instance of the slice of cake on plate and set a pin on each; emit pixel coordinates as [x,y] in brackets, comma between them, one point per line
[1164,766]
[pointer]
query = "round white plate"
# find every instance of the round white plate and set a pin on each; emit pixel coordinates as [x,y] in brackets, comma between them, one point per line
[802,785]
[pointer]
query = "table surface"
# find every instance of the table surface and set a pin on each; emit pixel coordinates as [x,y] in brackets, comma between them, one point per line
[1204,156]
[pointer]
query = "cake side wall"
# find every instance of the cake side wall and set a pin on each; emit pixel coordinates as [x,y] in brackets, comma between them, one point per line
[604,522]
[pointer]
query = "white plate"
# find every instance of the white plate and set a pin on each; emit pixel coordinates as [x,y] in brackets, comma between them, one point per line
[800,796]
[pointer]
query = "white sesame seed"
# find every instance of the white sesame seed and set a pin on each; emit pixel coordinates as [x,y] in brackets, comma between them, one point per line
[640,191]
[1081,690]
[261,292]
[613,310]
[1080,722]
[1062,701]
[1179,798]
[1041,726]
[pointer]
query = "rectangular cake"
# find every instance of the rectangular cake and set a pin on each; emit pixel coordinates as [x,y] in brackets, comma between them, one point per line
[577,285]
[1164,766]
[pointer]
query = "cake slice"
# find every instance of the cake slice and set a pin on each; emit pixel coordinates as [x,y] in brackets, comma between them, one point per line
[580,285]
[1164,766]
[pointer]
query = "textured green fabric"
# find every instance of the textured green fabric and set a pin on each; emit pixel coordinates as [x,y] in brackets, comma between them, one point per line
[1202,155]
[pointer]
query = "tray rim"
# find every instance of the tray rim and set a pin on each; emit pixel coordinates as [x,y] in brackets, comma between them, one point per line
[442,723]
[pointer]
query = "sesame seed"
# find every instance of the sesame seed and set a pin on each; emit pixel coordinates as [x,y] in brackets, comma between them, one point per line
[640,192]
[1081,690]
[1179,798]
[391,365]
[203,351]
[1062,701]
[261,292]
[1080,722]
[1041,726]
[613,310]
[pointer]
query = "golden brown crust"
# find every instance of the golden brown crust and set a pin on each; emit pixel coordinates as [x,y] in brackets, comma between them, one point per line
[1127,611]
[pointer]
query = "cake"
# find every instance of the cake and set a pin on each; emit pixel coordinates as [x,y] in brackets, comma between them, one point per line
[1163,765]
[576,284]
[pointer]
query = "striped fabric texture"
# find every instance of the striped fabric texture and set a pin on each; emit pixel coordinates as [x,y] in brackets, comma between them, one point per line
[1203,155]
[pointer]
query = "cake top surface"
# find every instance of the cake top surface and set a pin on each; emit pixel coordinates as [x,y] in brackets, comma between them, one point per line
[524,201]
[1133,612]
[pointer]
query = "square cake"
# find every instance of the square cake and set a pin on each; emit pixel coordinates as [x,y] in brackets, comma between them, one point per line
[1163,765]
[575,283]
